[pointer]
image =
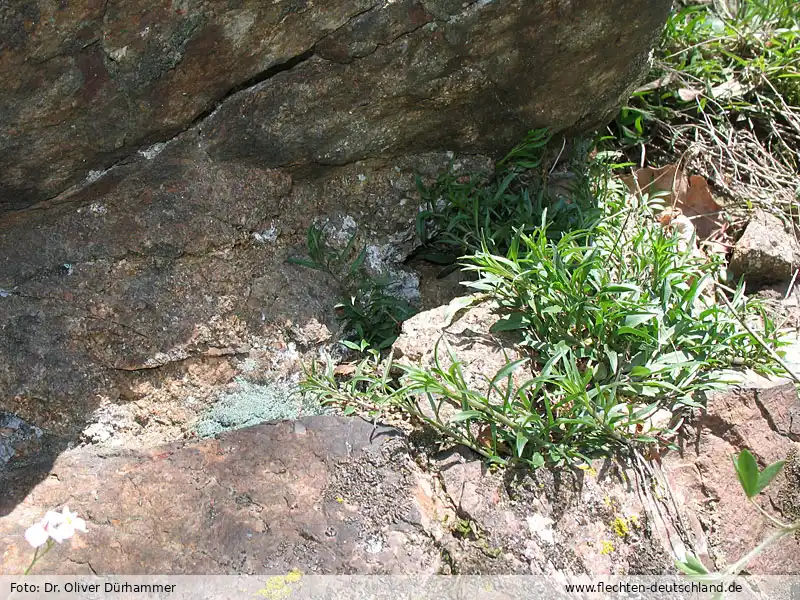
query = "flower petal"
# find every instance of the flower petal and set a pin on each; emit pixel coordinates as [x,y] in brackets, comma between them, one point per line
[36,535]
[51,519]
[62,532]
[79,524]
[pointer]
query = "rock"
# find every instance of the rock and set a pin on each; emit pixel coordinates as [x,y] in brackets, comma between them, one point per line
[697,488]
[429,338]
[768,252]
[337,499]
[467,334]
[334,496]
[90,84]
[702,475]
[18,439]
[168,298]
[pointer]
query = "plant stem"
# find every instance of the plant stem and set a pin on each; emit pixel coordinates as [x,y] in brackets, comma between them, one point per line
[33,562]
[757,338]
[740,564]
[775,521]
[37,556]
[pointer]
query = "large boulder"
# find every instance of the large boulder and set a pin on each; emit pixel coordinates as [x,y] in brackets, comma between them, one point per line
[331,495]
[87,83]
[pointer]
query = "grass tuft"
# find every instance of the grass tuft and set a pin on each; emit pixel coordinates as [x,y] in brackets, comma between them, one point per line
[618,320]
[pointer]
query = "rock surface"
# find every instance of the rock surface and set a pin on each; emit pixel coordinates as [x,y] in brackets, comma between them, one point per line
[430,336]
[159,162]
[768,251]
[766,422]
[163,283]
[331,495]
[714,518]
[90,82]
[324,495]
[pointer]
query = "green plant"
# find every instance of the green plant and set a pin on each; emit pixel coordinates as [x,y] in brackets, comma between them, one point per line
[549,418]
[368,389]
[753,482]
[617,320]
[723,97]
[464,211]
[634,314]
[368,308]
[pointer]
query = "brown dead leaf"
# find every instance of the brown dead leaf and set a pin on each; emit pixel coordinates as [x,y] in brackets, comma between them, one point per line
[656,84]
[344,370]
[485,436]
[690,195]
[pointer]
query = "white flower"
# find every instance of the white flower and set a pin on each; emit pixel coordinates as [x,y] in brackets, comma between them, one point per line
[69,524]
[59,526]
[38,534]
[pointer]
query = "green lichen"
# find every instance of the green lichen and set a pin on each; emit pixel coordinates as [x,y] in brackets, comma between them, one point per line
[254,403]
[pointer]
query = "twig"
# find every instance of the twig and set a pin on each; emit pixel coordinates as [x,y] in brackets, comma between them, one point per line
[756,337]
[791,284]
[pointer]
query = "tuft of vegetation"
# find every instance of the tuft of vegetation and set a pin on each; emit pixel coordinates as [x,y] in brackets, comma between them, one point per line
[624,302]
[368,311]
[617,319]
[724,100]
[464,212]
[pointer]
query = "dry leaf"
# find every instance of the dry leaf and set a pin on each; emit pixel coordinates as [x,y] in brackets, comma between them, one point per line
[344,370]
[485,436]
[689,94]
[656,84]
[730,89]
[690,195]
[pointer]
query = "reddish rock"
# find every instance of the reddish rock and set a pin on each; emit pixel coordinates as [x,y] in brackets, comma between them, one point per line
[760,420]
[336,495]
[326,495]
